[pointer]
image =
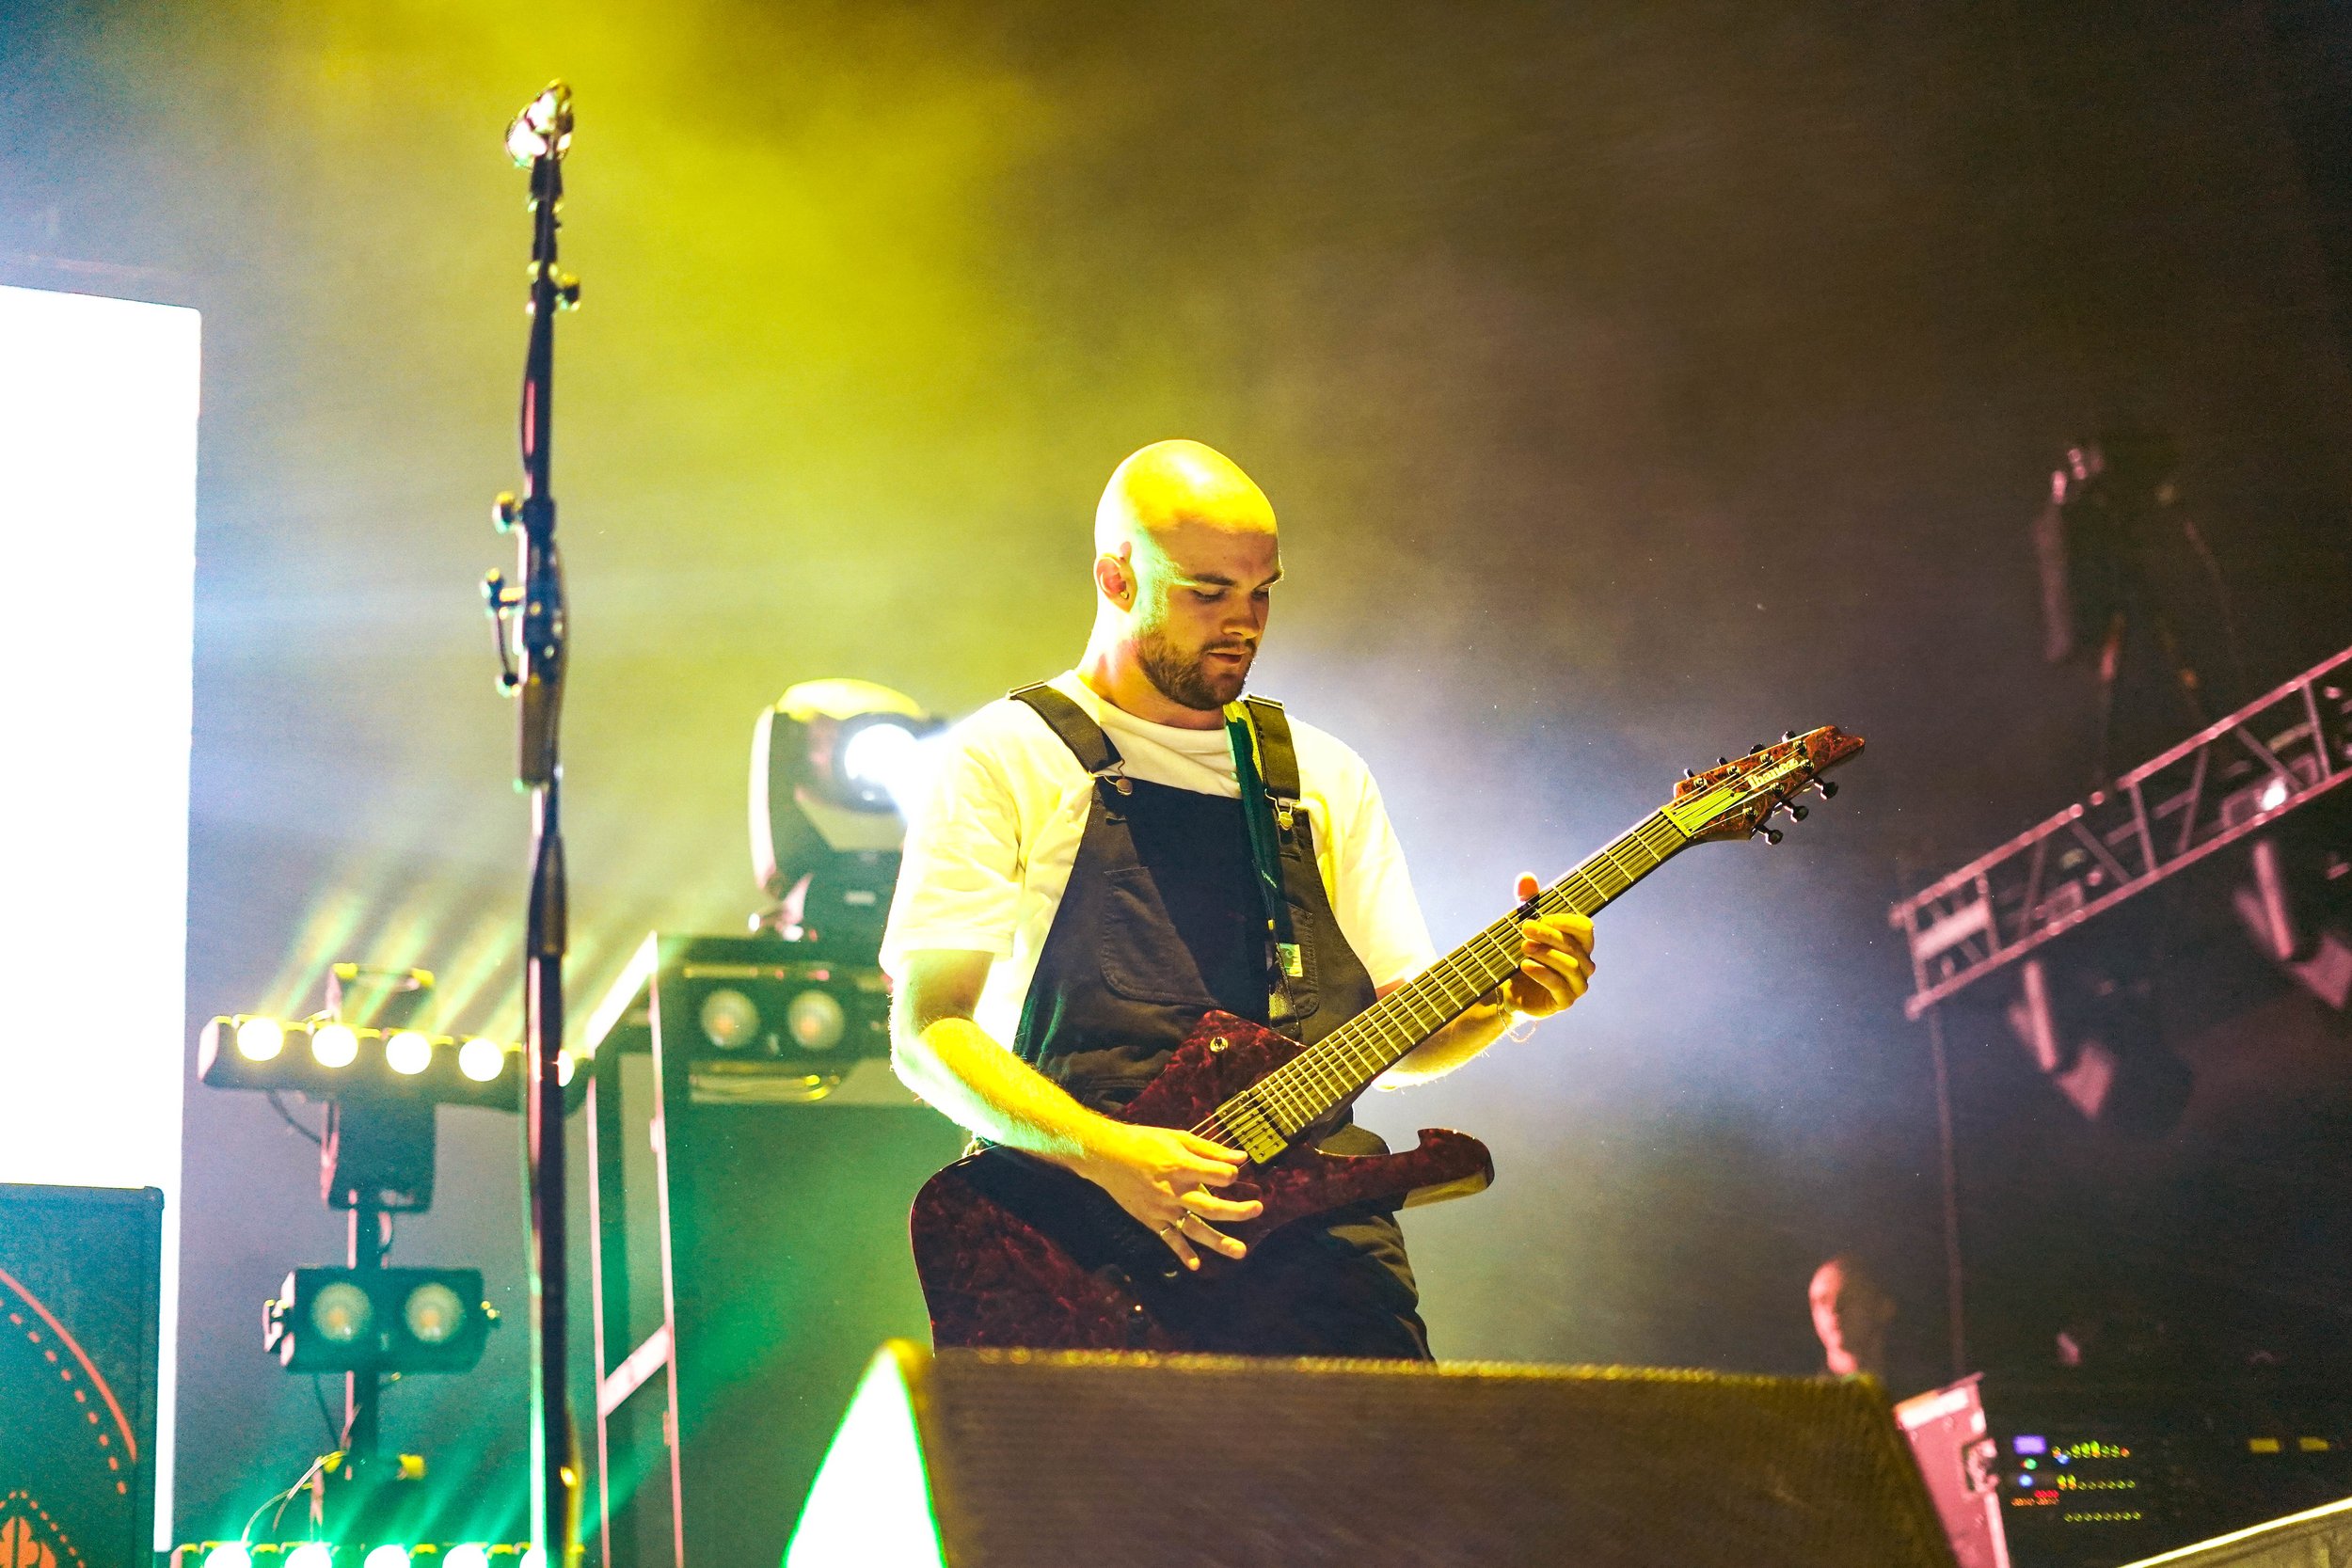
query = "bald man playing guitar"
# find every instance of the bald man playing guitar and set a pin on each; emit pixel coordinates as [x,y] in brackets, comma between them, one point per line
[1085,881]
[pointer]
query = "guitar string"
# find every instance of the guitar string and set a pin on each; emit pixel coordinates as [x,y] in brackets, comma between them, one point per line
[1395,1025]
[1271,1104]
[1338,1068]
[1333,1074]
[1323,1072]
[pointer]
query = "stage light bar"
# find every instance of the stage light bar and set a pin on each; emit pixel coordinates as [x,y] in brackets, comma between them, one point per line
[354,1554]
[329,1060]
[379,1321]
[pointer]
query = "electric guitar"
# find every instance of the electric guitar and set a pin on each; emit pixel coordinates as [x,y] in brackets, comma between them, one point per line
[1014,1251]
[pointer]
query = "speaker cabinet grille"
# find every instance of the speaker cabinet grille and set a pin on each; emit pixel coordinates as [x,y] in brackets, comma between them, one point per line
[1080,1458]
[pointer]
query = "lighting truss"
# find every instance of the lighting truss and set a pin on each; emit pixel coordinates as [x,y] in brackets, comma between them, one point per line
[2220,786]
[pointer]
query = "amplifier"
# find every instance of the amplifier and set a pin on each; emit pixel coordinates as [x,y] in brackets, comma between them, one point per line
[752,1159]
[80,1272]
[2093,1476]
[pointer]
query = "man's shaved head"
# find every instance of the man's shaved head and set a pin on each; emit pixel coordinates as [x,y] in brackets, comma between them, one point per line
[1185,560]
[1171,483]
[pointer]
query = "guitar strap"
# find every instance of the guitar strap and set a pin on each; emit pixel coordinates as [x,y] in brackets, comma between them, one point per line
[1266,765]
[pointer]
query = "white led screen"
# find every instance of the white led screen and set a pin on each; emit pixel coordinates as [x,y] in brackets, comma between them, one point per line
[98,410]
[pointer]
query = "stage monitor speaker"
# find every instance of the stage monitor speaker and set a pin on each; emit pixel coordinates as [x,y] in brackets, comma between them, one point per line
[749,1241]
[973,1458]
[80,1274]
[2321,1537]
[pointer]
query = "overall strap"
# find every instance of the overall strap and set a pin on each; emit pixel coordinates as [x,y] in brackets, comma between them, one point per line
[1278,759]
[1081,734]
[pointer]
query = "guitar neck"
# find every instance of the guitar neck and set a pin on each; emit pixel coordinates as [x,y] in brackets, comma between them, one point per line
[1331,1073]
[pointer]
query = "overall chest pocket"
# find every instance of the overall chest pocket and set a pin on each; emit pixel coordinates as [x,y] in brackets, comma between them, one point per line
[1154,943]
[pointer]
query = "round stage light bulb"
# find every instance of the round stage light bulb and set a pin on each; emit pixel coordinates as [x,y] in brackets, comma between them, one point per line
[882,758]
[434,1313]
[231,1554]
[386,1555]
[470,1554]
[816,1021]
[342,1312]
[334,1045]
[408,1052]
[260,1039]
[481,1060]
[2274,795]
[311,1554]
[565,1068]
[534,1558]
[730,1020]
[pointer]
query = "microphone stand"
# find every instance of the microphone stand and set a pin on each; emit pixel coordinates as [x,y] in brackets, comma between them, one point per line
[529,618]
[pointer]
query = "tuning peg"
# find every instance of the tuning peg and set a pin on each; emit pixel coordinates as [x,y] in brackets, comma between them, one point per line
[1757,746]
[1788,735]
[1772,836]
[1690,772]
[1828,789]
[1799,811]
[1720,761]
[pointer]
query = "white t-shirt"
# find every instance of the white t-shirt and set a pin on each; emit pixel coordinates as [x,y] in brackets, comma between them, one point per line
[990,840]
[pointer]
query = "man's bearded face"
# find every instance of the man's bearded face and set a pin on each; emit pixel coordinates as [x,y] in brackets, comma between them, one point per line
[1187,673]
[1196,631]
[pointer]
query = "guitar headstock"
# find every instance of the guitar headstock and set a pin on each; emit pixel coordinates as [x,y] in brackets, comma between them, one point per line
[1738,797]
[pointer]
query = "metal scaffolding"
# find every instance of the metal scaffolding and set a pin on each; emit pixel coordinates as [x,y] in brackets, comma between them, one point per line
[2222,784]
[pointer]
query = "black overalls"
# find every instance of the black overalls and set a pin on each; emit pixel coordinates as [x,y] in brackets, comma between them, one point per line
[1162,920]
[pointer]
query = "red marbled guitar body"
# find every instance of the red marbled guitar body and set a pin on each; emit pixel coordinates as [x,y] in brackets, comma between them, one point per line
[1016,1252]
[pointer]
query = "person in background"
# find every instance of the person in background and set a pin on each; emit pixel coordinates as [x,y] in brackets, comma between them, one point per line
[1851,1313]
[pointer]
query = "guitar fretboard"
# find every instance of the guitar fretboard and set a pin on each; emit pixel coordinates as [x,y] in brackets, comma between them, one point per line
[1329,1074]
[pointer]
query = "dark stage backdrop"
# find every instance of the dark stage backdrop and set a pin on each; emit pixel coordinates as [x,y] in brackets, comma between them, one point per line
[1634,381]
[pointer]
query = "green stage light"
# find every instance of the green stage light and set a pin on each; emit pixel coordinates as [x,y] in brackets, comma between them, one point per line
[260,1039]
[344,1319]
[433,1313]
[730,1020]
[386,1555]
[481,1060]
[335,1045]
[470,1554]
[231,1554]
[311,1554]
[342,1312]
[408,1052]
[816,1020]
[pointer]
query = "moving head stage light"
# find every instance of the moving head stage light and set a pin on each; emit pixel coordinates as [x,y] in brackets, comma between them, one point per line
[831,763]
